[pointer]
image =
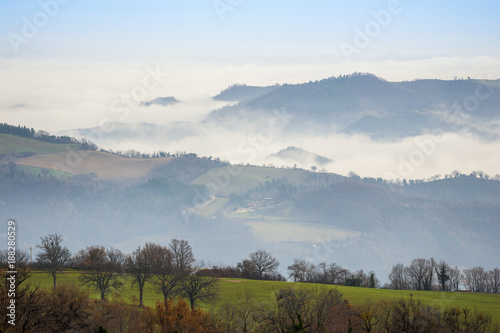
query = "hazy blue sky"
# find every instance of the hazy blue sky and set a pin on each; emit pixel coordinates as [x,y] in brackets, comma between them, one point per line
[251,30]
[63,63]
[66,64]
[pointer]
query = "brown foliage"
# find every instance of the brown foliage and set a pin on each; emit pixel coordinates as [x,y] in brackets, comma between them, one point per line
[304,310]
[62,309]
[118,316]
[69,309]
[177,316]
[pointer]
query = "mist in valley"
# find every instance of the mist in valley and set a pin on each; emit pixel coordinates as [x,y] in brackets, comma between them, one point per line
[236,135]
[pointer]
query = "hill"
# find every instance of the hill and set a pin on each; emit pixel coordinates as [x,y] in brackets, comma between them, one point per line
[103,165]
[38,155]
[368,104]
[361,222]
[291,155]
[231,291]
[15,146]
[293,213]
[242,92]
[162,101]
[240,179]
[347,113]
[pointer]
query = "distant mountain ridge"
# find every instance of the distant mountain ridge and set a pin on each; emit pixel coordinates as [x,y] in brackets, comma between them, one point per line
[348,104]
[104,196]
[163,101]
[242,92]
[364,103]
[292,155]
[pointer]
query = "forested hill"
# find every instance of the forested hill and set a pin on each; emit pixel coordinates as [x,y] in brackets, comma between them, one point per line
[30,133]
[359,222]
[364,103]
[242,92]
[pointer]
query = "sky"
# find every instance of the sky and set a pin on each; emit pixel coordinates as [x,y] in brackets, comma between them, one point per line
[242,31]
[64,64]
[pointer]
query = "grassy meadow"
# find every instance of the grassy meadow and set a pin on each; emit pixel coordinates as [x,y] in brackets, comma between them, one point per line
[10,144]
[244,178]
[231,290]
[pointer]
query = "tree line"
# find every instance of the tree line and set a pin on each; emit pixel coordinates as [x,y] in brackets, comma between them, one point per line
[428,274]
[261,265]
[85,144]
[170,269]
[323,273]
[40,135]
[67,308]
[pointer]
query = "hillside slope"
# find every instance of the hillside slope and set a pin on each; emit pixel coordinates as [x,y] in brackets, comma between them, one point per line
[104,165]
[14,146]
[364,103]
[67,158]
[294,213]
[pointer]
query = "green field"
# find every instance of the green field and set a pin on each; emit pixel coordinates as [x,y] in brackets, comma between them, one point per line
[231,290]
[244,178]
[36,170]
[10,144]
[33,156]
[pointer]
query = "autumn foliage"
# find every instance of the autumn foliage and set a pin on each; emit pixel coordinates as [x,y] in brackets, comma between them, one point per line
[67,308]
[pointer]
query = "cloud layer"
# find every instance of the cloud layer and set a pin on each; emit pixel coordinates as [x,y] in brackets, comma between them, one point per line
[60,95]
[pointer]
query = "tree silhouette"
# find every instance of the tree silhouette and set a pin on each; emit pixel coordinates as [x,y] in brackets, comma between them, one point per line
[266,264]
[101,268]
[53,255]
[140,265]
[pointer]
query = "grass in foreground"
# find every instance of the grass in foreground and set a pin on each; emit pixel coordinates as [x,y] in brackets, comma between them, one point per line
[231,290]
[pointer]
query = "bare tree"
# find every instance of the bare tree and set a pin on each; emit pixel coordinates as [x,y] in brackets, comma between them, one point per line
[429,277]
[183,257]
[246,309]
[248,269]
[298,271]
[21,258]
[494,275]
[326,308]
[199,288]
[167,275]
[305,310]
[266,264]
[292,312]
[53,255]
[454,278]
[417,271]
[101,268]
[140,265]
[398,277]
[367,315]
[336,274]
[476,279]
[21,261]
[322,273]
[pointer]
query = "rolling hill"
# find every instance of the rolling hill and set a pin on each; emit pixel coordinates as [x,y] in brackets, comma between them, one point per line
[294,213]
[364,103]
[291,155]
[103,165]
[67,158]
[16,146]
[361,221]
[263,291]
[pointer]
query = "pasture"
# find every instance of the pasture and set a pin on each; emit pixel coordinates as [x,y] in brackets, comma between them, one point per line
[232,290]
